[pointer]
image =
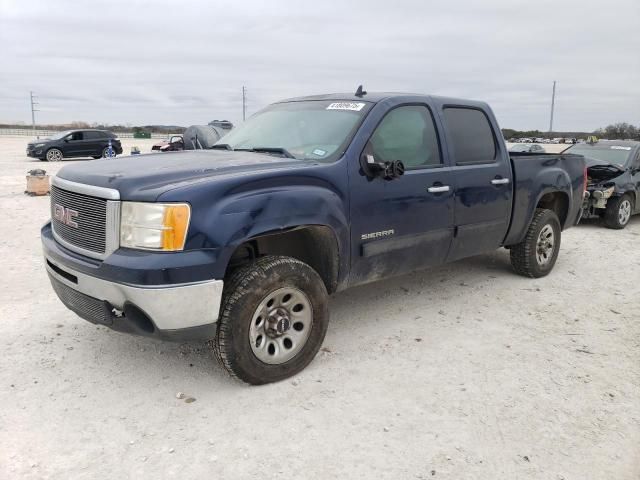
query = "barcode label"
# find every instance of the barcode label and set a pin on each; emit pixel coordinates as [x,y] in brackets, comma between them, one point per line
[356,107]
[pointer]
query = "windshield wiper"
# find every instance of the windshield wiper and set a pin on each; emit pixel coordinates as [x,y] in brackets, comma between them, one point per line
[282,151]
[221,146]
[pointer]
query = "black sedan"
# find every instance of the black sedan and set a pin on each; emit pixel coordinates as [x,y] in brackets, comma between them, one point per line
[613,185]
[75,143]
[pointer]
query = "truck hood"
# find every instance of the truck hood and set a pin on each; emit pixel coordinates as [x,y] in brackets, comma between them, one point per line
[145,177]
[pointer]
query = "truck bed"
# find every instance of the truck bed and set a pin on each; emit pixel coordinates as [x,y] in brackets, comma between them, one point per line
[533,175]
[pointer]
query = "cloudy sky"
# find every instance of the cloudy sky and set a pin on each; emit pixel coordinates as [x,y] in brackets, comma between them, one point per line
[185,62]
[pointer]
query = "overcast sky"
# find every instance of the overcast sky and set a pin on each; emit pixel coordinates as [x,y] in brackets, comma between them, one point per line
[184,62]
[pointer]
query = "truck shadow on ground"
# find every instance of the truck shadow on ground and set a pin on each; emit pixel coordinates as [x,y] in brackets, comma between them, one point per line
[196,359]
[598,223]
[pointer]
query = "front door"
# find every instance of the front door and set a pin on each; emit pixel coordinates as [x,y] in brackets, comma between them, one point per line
[403,224]
[74,145]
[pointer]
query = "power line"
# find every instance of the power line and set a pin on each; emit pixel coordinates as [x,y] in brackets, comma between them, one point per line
[244,103]
[33,110]
[553,103]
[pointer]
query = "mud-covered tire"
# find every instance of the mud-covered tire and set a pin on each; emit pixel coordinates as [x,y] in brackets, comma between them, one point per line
[618,212]
[248,288]
[527,257]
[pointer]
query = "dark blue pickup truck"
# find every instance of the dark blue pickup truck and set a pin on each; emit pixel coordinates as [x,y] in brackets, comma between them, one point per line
[241,244]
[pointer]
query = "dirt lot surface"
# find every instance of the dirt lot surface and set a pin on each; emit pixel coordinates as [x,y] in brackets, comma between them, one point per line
[466,371]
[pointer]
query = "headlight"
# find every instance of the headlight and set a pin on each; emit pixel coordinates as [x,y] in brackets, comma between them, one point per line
[154,226]
[38,145]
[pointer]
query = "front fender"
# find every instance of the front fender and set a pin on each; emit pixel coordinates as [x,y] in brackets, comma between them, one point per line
[250,211]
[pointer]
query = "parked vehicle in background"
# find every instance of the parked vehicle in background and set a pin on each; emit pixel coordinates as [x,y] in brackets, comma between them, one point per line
[527,147]
[198,137]
[75,143]
[613,187]
[241,244]
[195,137]
[224,124]
[175,143]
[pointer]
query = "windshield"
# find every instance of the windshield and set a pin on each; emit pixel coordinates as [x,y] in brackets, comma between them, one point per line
[318,130]
[60,135]
[613,154]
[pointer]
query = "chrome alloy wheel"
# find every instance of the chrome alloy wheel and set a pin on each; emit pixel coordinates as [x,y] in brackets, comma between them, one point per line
[54,155]
[544,245]
[624,212]
[281,325]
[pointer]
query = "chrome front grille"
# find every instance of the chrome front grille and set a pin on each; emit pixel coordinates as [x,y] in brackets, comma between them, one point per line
[89,227]
[85,219]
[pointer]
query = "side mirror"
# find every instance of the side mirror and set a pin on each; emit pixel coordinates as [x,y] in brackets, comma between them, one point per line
[386,170]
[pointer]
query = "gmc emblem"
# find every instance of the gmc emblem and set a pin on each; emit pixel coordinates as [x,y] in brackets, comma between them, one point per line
[65,215]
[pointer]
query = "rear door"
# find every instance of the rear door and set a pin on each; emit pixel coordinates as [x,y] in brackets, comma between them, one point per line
[94,142]
[635,178]
[406,223]
[483,183]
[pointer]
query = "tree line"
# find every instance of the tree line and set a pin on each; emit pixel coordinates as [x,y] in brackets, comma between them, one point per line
[101,126]
[616,131]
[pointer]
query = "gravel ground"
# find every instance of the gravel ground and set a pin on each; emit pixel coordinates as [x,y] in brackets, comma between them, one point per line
[466,371]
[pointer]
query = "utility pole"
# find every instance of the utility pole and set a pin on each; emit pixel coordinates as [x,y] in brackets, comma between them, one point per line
[33,114]
[553,103]
[244,103]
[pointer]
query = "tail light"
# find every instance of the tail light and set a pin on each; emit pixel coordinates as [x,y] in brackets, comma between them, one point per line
[585,179]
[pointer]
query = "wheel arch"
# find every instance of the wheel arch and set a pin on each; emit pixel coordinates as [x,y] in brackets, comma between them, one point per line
[556,201]
[315,245]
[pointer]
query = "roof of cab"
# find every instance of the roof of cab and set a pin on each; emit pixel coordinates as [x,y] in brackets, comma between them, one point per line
[375,97]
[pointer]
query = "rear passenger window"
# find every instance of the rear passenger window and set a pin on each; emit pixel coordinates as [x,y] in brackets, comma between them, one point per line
[471,135]
[92,135]
[407,134]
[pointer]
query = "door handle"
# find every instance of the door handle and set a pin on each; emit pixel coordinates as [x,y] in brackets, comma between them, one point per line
[438,189]
[500,181]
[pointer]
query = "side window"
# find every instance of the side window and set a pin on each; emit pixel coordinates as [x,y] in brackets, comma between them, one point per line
[407,134]
[93,135]
[75,136]
[471,135]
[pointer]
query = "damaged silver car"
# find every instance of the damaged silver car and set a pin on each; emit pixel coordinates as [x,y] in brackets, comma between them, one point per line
[613,184]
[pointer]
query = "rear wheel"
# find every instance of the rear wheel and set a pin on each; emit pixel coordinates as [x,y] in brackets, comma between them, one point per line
[536,255]
[273,320]
[54,155]
[618,212]
[105,153]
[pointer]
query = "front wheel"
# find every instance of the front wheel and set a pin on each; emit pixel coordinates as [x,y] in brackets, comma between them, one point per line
[536,255]
[273,320]
[618,212]
[54,155]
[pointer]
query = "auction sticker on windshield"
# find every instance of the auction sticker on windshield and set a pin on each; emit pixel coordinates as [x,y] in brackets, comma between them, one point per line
[355,106]
[617,147]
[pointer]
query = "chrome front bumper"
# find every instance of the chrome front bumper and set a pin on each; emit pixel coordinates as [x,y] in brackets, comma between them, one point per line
[169,307]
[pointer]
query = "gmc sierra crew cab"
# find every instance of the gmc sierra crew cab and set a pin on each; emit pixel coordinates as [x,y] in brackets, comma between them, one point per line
[241,244]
